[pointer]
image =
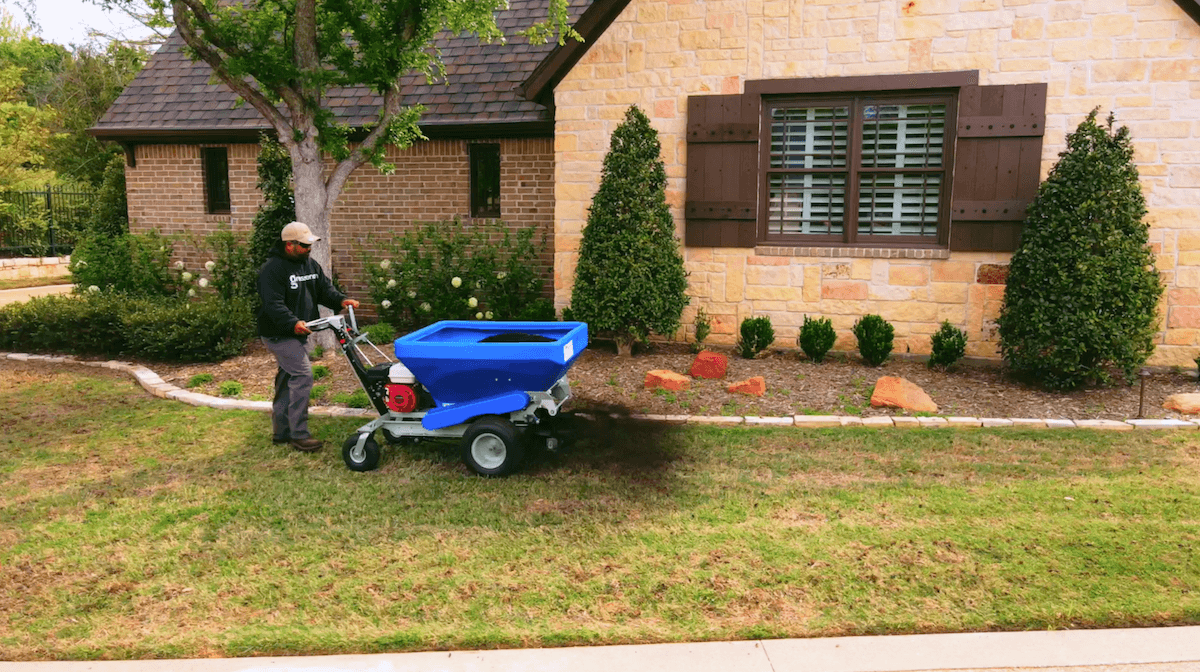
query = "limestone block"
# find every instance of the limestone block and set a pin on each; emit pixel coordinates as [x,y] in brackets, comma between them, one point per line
[716,419]
[895,392]
[905,421]
[780,422]
[1111,425]
[878,421]
[933,422]
[817,421]
[850,420]
[756,386]
[1161,423]
[667,380]
[996,422]
[1058,423]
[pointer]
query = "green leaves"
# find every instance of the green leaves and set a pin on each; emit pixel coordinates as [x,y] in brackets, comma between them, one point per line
[1081,296]
[630,280]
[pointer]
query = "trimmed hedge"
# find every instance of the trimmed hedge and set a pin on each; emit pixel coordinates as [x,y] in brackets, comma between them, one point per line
[111,325]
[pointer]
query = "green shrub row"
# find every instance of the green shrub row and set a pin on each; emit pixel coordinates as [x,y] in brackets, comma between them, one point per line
[875,339]
[117,325]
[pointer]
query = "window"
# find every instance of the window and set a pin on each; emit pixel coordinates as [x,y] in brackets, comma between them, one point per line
[215,162]
[861,169]
[485,180]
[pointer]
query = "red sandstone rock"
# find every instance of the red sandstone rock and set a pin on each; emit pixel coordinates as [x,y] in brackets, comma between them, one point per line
[667,380]
[756,386]
[709,365]
[1188,404]
[900,393]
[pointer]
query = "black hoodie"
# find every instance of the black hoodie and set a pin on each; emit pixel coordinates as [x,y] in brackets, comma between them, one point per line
[290,291]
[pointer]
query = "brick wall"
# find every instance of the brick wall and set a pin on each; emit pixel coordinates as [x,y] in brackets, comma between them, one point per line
[166,192]
[1137,58]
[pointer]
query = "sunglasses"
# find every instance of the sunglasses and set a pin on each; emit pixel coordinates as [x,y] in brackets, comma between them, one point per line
[303,246]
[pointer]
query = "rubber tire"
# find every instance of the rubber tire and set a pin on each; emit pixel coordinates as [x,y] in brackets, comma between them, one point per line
[499,445]
[395,440]
[367,461]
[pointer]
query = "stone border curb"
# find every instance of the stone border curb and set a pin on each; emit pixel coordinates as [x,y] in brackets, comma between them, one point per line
[155,385]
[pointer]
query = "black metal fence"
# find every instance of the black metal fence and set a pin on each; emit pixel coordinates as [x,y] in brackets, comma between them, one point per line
[43,223]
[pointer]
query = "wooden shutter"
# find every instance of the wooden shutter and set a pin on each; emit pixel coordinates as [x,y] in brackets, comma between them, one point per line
[997,164]
[722,171]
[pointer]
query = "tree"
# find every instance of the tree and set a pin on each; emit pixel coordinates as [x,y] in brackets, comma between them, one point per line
[1082,293]
[282,56]
[88,82]
[630,280]
[24,135]
[279,205]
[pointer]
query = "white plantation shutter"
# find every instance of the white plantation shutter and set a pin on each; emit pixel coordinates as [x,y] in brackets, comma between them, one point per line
[896,184]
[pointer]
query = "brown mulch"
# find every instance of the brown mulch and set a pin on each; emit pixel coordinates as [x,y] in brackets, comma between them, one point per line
[841,385]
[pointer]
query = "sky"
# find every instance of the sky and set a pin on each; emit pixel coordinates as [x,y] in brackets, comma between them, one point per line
[67,21]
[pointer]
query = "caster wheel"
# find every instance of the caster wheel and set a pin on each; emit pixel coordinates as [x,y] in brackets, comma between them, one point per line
[398,440]
[361,459]
[492,447]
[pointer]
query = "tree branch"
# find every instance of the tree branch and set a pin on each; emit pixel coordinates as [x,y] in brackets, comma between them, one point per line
[210,55]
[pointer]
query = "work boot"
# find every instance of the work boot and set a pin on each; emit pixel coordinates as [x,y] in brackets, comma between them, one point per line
[309,445]
[278,440]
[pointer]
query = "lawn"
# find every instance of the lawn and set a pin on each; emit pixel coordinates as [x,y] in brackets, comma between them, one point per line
[134,527]
[21,283]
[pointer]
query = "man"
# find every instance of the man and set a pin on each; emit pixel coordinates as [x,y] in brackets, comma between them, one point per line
[291,286]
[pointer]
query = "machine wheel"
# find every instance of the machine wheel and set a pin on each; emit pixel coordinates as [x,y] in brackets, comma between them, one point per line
[364,459]
[492,446]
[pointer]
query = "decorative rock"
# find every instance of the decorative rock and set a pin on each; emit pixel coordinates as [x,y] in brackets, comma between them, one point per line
[667,380]
[1188,404]
[897,392]
[709,365]
[756,386]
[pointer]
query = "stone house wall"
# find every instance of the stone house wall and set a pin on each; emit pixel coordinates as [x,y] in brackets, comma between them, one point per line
[1137,58]
[431,183]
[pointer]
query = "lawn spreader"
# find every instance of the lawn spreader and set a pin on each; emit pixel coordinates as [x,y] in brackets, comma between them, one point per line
[498,386]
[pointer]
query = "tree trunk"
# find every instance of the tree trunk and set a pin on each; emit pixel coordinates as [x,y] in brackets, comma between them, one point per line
[308,174]
[624,346]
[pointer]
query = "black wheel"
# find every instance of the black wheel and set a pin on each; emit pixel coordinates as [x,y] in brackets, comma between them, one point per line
[364,459]
[492,447]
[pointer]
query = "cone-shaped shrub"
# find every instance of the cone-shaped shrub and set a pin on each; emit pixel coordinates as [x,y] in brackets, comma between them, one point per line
[630,281]
[1082,291]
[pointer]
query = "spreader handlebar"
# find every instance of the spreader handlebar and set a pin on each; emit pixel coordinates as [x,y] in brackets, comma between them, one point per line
[334,321]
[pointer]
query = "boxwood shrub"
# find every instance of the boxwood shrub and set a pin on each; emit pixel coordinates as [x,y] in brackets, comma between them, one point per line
[112,324]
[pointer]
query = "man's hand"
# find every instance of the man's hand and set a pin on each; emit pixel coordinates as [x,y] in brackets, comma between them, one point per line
[350,302]
[302,329]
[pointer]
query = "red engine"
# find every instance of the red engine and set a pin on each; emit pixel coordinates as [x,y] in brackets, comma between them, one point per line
[401,398]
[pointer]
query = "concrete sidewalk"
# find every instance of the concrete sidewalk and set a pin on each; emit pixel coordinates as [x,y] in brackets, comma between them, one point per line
[8,296]
[1129,650]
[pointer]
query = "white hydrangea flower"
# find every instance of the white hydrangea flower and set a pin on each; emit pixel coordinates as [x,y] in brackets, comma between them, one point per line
[204,282]
[391,284]
[191,292]
[385,264]
[81,264]
[426,307]
[412,294]
[210,265]
[179,265]
[456,282]
[479,316]
[93,289]
[187,277]
[472,302]
[501,275]
[386,304]
[488,314]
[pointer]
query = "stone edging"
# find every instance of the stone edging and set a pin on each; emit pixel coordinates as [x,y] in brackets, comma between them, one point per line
[155,385]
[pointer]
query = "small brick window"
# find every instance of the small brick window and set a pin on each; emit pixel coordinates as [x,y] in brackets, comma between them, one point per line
[485,180]
[215,161]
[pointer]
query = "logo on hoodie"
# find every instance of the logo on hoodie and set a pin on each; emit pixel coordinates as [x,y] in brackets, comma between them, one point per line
[295,280]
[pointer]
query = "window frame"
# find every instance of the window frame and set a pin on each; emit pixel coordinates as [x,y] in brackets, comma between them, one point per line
[477,152]
[213,203]
[857,99]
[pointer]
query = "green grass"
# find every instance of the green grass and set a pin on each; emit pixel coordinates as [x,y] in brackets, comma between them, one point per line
[133,527]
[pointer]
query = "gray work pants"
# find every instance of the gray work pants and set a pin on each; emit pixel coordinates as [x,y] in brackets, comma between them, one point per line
[293,383]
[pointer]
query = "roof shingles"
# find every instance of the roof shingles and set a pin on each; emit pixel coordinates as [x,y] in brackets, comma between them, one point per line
[173,94]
